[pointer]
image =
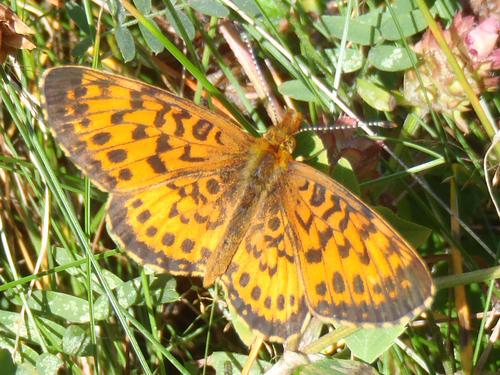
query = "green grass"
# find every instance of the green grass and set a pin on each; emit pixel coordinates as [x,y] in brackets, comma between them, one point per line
[69,298]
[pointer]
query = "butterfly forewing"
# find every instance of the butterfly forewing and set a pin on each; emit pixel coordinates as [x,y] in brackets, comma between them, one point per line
[126,135]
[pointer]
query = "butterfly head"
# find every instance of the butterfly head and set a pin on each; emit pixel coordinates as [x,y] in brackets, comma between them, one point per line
[282,135]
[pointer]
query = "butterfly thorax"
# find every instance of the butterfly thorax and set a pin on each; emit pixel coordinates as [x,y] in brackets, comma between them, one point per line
[282,135]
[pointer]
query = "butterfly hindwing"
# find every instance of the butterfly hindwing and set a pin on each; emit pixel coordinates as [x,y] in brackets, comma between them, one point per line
[127,135]
[354,266]
[174,227]
[262,281]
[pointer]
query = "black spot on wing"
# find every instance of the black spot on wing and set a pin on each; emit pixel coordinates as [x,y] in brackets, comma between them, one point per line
[178,117]
[334,207]
[117,156]
[202,129]
[156,164]
[338,283]
[162,144]
[186,156]
[139,133]
[314,255]
[318,195]
[168,239]
[125,174]
[101,138]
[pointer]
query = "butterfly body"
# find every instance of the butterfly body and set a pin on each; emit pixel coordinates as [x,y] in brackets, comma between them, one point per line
[192,194]
[266,163]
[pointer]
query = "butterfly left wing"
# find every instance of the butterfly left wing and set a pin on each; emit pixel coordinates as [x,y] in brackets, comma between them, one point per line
[127,135]
[174,227]
[355,268]
[168,163]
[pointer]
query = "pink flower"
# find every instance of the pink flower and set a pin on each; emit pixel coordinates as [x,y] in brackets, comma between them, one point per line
[475,49]
[482,39]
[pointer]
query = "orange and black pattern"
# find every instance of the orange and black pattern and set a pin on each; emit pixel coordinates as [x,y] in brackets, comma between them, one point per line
[192,194]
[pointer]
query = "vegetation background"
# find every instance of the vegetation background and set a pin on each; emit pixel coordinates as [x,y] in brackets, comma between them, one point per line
[437,185]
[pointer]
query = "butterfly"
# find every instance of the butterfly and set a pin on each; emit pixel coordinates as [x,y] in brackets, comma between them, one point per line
[192,194]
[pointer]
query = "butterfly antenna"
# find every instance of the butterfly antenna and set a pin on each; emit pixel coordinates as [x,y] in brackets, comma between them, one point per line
[251,51]
[347,123]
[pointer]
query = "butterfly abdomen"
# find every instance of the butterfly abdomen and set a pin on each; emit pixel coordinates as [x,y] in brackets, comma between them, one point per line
[259,178]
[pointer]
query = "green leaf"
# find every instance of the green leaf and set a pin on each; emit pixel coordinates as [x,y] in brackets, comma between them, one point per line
[77,14]
[162,288]
[209,7]
[248,6]
[359,32]
[144,6]
[12,324]
[6,362]
[102,308]
[26,369]
[76,342]
[311,147]
[152,41]
[344,174]
[65,306]
[81,47]
[446,9]
[130,293]
[403,6]
[371,18]
[48,364]
[375,96]
[369,344]
[275,11]
[125,42]
[28,355]
[112,280]
[415,234]
[390,58]
[118,11]
[353,59]
[410,23]
[296,89]
[185,22]
[232,363]
[64,256]
[335,367]
[244,332]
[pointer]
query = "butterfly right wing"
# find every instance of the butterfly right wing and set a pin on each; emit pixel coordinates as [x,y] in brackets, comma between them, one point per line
[263,283]
[354,266]
[127,135]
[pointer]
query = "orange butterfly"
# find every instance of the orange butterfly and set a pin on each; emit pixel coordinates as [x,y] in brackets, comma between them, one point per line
[192,194]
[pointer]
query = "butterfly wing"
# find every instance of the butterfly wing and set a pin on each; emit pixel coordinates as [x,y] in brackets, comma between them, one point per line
[174,227]
[127,135]
[354,267]
[169,164]
[262,282]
